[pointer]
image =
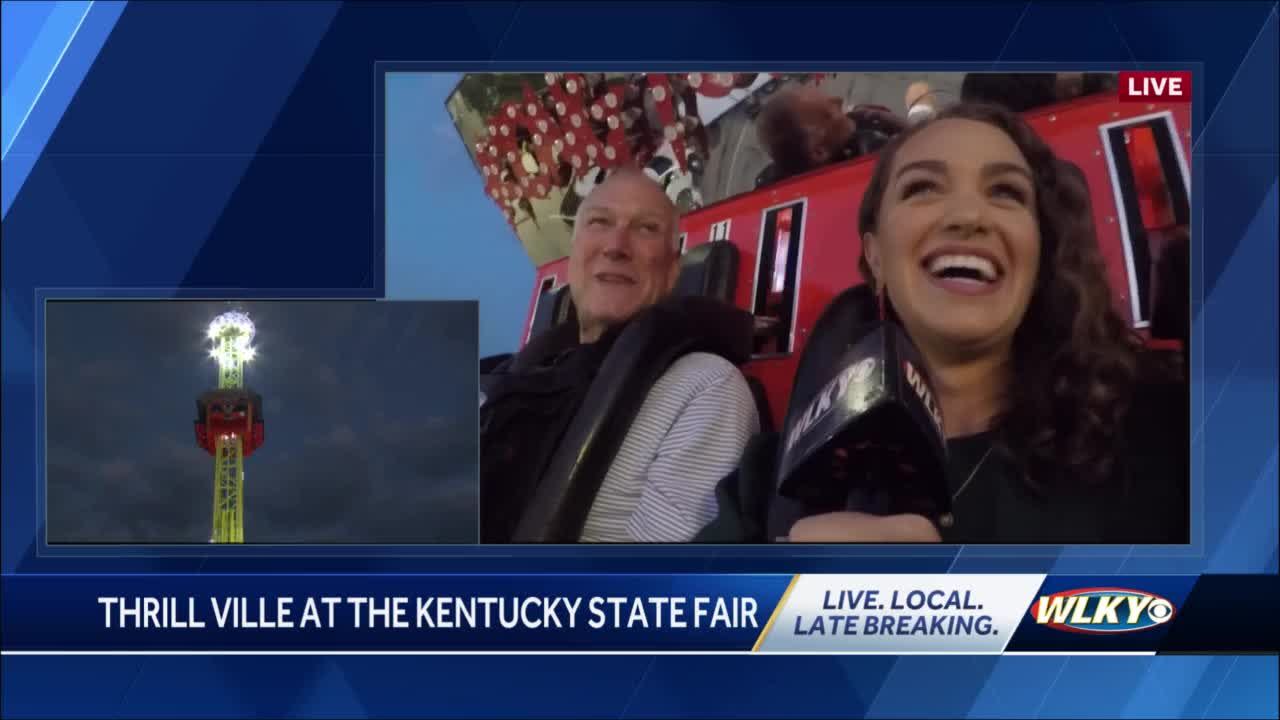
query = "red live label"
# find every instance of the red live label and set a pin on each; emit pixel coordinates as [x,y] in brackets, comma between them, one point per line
[1155,85]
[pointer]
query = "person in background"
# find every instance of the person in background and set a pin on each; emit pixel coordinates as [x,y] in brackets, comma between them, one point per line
[1018,92]
[921,102]
[803,128]
[694,422]
[1021,92]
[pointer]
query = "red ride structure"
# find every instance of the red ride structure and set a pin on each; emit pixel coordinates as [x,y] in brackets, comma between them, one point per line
[799,246]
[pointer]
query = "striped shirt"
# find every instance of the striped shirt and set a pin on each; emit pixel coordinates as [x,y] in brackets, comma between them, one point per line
[688,434]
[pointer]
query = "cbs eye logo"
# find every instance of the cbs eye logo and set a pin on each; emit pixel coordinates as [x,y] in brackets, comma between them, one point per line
[1102,611]
[1160,610]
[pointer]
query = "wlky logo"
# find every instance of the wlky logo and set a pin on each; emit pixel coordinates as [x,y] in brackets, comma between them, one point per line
[1102,611]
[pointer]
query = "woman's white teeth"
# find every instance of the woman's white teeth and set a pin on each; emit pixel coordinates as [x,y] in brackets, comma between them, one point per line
[968,265]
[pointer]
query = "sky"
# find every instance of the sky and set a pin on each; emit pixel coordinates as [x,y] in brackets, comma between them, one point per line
[445,238]
[370,413]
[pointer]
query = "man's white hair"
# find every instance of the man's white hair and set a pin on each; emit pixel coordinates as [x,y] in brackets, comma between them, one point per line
[673,212]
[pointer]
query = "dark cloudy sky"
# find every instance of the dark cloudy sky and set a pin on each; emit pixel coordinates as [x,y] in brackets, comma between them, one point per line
[370,411]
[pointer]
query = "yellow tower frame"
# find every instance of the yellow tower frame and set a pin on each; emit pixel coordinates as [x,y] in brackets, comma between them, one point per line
[231,334]
[228,491]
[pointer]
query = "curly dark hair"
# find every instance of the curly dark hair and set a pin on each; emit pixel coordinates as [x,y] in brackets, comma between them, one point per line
[1075,360]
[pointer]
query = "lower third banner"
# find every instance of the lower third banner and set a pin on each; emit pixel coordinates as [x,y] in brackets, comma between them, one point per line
[855,614]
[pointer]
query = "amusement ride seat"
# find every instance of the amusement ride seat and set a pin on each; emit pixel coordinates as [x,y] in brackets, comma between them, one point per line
[554,308]
[835,332]
[716,277]
[766,514]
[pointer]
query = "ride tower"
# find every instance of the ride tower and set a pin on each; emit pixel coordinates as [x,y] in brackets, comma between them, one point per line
[229,422]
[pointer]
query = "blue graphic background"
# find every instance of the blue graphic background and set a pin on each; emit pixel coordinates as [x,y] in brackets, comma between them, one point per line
[233,149]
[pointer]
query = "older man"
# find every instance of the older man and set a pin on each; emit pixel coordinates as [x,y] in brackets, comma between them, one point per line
[694,422]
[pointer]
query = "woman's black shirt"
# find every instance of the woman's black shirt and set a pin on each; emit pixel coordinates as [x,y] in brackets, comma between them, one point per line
[1146,503]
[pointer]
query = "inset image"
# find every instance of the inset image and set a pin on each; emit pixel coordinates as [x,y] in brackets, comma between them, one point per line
[269,422]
